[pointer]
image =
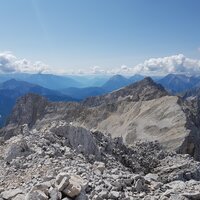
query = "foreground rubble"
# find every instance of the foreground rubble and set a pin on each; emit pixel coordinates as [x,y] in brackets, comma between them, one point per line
[49,162]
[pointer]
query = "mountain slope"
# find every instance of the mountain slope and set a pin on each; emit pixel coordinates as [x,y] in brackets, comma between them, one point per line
[143,90]
[82,93]
[22,87]
[177,83]
[115,82]
[194,93]
[82,164]
[52,81]
[140,111]
[135,78]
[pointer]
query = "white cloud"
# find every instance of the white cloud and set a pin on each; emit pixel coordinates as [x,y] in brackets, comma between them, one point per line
[171,64]
[153,66]
[9,63]
[97,70]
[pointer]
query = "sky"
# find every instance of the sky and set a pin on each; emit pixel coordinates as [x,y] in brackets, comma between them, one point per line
[100,36]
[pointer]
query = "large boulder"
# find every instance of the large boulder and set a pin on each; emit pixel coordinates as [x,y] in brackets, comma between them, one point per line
[69,185]
[36,195]
[74,187]
[9,194]
[99,166]
[16,147]
[79,138]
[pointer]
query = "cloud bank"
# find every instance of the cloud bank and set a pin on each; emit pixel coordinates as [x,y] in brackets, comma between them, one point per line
[172,64]
[156,66]
[11,64]
[179,63]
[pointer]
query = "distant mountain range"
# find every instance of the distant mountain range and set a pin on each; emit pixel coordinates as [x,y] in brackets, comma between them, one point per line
[71,88]
[192,93]
[96,85]
[174,83]
[58,82]
[45,80]
[114,83]
[12,89]
[178,83]
[119,81]
[82,93]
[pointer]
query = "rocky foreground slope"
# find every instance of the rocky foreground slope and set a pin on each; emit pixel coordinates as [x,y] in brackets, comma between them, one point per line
[61,161]
[117,146]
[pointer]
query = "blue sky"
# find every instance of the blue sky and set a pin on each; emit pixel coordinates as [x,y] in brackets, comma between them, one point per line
[80,34]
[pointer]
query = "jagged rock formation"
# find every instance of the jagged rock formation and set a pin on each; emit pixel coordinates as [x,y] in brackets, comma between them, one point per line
[34,109]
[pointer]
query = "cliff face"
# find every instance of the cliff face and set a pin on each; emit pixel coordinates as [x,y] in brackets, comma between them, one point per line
[141,111]
[28,109]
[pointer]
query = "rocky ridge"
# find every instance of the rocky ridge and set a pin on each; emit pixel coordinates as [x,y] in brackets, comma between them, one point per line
[49,164]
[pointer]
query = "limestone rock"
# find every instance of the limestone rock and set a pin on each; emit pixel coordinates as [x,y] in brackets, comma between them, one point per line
[55,194]
[74,186]
[99,166]
[11,193]
[36,195]
[79,138]
[62,181]
[114,195]
[139,185]
[17,147]
[192,195]
[19,197]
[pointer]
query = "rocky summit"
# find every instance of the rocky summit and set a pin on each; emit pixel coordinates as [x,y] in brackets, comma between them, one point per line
[135,143]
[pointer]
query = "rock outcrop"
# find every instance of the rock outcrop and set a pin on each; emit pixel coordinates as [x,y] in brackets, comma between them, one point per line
[28,109]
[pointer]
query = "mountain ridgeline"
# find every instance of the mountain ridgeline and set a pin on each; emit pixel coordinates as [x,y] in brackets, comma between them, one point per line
[141,111]
[72,88]
[12,89]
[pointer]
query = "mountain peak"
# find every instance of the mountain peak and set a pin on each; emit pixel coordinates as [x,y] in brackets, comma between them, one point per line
[115,82]
[144,83]
[117,76]
[13,83]
[147,80]
[145,89]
